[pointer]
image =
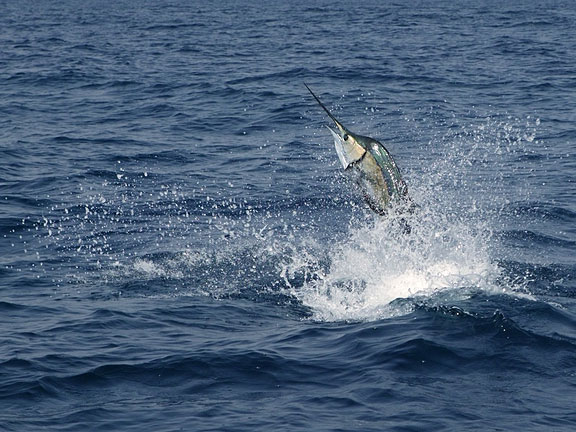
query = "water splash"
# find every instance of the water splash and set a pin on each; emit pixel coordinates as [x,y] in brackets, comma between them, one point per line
[380,263]
[139,231]
[450,252]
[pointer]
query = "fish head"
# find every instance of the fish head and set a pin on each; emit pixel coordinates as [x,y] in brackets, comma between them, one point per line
[349,147]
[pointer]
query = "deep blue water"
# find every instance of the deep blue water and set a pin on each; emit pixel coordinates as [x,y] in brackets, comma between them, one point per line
[180,250]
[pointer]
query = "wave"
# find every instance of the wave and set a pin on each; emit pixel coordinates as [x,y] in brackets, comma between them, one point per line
[443,341]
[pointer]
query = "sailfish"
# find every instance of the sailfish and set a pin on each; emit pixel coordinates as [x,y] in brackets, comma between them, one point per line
[371,166]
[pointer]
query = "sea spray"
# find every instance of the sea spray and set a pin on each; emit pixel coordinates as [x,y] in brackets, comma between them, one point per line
[449,253]
[326,251]
[380,263]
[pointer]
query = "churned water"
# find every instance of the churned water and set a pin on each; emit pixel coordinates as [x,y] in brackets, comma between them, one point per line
[180,250]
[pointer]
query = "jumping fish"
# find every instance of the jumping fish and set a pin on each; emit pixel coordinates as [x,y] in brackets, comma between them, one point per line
[371,166]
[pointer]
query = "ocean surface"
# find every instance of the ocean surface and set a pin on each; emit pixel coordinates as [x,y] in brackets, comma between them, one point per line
[180,249]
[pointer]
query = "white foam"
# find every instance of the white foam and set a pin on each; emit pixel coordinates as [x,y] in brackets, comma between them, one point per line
[147,267]
[379,264]
[449,250]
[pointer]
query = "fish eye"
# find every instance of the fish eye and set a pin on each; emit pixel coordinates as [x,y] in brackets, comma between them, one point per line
[345,137]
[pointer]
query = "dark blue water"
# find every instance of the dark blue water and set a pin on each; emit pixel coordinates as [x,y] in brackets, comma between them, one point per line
[180,250]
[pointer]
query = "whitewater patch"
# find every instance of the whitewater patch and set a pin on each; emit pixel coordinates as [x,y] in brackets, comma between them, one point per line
[450,253]
[379,264]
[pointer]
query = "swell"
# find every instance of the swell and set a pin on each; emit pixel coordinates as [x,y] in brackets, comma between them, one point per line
[439,340]
[530,238]
[545,211]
